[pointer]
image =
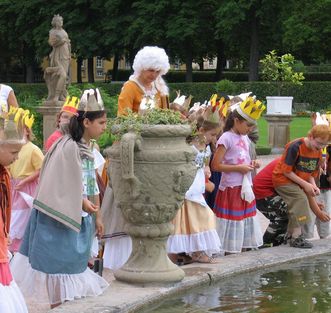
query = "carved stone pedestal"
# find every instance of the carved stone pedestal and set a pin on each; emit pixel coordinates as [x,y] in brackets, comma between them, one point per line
[278,131]
[149,262]
[49,119]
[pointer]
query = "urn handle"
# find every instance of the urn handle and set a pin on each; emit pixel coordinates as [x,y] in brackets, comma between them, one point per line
[129,143]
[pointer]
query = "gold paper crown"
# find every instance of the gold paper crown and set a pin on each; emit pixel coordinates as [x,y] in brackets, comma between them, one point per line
[22,116]
[91,101]
[222,104]
[251,109]
[71,105]
[12,125]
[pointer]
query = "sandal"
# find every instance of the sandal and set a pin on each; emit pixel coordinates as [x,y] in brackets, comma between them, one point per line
[202,257]
[300,242]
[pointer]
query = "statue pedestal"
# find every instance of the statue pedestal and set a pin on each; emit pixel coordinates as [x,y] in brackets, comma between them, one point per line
[49,119]
[53,103]
[278,131]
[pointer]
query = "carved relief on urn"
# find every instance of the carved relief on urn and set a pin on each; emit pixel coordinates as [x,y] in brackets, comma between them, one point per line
[150,174]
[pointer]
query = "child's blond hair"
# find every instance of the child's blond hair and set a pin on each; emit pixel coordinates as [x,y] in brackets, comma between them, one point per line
[320,131]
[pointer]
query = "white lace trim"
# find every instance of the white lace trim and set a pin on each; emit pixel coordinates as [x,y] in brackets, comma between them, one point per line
[235,235]
[55,288]
[207,241]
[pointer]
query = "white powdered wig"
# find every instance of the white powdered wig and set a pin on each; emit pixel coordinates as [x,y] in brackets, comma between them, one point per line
[152,58]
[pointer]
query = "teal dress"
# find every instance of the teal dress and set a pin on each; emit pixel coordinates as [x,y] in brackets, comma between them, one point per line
[52,247]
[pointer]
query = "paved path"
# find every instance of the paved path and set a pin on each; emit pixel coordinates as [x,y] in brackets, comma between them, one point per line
[122,297]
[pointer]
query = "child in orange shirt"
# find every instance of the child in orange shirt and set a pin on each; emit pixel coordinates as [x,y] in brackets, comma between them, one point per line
[294,177]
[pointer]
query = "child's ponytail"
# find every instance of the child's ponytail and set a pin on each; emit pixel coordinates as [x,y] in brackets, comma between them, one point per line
[76,125]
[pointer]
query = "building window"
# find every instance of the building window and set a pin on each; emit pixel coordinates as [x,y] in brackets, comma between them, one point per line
[177,65]
[100,73]
[127,64]
[99,62]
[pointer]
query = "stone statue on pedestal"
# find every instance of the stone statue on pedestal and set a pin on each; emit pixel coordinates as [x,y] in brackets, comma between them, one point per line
[57,75]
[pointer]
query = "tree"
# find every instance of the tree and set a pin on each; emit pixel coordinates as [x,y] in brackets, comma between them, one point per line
[248,29]
[190,31]
[118,17]
[307,30]
[27,44]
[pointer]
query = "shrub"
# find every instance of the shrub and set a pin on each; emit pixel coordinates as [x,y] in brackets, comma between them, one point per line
[226,87]
[263,150]
[279,69]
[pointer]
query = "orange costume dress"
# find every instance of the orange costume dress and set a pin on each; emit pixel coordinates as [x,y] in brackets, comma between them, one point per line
[132,93]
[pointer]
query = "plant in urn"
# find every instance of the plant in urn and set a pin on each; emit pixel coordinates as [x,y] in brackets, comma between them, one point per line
[151,168]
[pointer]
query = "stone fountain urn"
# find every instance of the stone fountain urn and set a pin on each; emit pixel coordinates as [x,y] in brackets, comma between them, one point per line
[150,173]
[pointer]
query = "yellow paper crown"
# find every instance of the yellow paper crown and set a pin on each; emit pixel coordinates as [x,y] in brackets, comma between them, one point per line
[12,126]
[222,104]
[21,116]
[70,105]
[251,109]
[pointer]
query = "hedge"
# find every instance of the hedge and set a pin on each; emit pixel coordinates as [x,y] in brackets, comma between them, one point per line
[317,94]
[178,76]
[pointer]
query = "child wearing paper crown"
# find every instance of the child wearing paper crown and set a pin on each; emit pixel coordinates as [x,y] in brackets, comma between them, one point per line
[51,265]
[68,110]
[24,180]
[238,225]
[195,224]
[11,142]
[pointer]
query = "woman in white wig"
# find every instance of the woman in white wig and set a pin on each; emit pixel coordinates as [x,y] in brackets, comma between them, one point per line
[146,85]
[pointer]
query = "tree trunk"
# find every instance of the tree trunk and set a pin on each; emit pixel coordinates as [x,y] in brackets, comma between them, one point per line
[115,67]
[29,74]
[188,63]
[201,68]
[79,69]
[90,69]
[221,61]
[253,74]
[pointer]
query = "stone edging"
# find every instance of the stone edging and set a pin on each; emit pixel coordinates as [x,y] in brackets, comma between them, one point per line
[125,298]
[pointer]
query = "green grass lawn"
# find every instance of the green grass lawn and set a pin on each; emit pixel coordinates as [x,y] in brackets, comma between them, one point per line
[298,128]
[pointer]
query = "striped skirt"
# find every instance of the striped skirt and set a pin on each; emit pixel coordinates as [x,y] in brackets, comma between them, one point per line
[237,223]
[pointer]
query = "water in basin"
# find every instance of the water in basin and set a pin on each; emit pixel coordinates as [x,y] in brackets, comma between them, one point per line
[300,287]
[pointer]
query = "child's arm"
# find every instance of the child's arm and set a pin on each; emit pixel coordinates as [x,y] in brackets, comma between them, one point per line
[99,227]
[308,187]
[218,166]
[28,179]
[210,186]
[320,214]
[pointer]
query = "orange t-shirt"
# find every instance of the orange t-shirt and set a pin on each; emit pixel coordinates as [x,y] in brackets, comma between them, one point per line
[297,158]
[5,207]
[131,96]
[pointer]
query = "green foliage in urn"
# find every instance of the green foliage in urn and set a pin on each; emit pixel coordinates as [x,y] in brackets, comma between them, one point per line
[280,69]
[134,122]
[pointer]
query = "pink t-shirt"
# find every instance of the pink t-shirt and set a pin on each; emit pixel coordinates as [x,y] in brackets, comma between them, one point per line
[52,138]
[237,152]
